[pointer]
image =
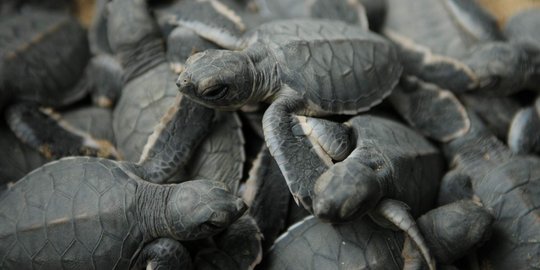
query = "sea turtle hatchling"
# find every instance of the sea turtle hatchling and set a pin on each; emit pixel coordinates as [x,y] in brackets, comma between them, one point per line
[523,29]
[456,45]
[509,185]
[92,213]
[374,166]
[304,67]
[452,231]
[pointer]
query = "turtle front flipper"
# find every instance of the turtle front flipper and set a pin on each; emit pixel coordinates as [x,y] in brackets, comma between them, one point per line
[164,254]
[476,23]
[242,242]
[295,155]
[174,140]
[434,111]
[134,37]
[52,136]
[347,190]
[397,213]
[103,79]
[451,231]
[334,138]
[441,70]
[523,136]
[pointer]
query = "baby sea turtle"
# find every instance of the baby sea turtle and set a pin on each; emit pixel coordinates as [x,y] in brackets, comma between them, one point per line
[95,123]
[82,212]
[362,244]
[456,45]
[523,30]
[509,185]
[43,57]
[304,67]
[390,169]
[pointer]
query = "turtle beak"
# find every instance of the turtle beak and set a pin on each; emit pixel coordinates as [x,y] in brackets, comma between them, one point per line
[185,85]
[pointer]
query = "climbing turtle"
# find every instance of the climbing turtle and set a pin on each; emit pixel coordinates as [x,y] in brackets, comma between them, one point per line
[509,185]
[207,144]
[311,67]
[81,213]
[456,45]
[362,244]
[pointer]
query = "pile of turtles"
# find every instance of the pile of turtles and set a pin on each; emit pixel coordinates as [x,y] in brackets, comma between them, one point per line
[269,134]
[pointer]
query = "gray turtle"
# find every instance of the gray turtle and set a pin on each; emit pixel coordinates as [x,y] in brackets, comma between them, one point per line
[374,166]
[43,57]
[304,67]
[91,213]
[508,185]
[522,29]
[456,45]
[95,123]
[311,244]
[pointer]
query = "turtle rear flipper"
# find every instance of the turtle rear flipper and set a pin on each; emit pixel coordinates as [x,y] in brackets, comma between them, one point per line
[47,132]
[436,112]
[163,254]
[174,140]
[523,136]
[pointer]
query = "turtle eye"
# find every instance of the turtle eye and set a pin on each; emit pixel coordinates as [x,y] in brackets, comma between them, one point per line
[215,91]
[210,226]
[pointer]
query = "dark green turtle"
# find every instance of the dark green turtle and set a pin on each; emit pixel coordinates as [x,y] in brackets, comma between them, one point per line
[456,45]
[91,213]
[509,185]
[304,67]
[452,231]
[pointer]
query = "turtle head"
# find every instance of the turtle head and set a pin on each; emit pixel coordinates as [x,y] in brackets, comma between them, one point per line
[201,208]
[218,79]
[348,190]
[501,68]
